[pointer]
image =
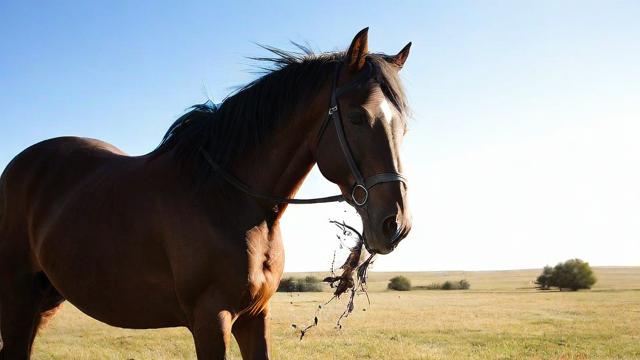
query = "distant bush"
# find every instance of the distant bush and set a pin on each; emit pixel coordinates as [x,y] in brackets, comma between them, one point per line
[306,284]
[573,274]
[447,285]
[464,284]
[399,283]
[432,286]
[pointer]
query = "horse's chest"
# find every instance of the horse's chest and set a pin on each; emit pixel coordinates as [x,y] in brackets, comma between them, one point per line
[265,264]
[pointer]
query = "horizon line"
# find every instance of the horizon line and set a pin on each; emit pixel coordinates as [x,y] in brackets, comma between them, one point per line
[485,270]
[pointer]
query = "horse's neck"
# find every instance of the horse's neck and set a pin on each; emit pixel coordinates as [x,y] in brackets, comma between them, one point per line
[280,164]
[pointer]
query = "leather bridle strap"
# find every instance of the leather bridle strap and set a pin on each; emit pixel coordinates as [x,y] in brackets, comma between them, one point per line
[336,92]
[237,183]
[362,184]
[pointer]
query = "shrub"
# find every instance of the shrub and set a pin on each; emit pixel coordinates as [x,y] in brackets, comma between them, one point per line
[433,286]
[306,284]
[447,285]
[287,285]
[464,284]
[309,284]
[399,283]
[573,274]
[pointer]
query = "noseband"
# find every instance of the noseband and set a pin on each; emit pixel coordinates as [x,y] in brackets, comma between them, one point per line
[362,184]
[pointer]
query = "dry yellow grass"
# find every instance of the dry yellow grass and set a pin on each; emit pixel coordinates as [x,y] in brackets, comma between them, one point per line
[501,317]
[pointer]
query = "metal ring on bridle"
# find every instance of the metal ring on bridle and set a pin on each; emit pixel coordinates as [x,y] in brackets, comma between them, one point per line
[353,194]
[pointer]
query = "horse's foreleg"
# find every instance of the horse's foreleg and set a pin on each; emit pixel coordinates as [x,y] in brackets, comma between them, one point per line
[252,334]
[211,329]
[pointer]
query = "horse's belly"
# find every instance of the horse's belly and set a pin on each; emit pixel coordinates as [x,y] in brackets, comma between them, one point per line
[126,291]
[159,310]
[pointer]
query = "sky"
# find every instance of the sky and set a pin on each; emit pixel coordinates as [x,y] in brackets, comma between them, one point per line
[523,145]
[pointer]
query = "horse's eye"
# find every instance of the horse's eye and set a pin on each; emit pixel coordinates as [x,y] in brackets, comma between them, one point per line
[358,117]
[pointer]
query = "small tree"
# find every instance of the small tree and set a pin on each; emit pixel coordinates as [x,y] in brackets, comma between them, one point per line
[573,274]
[399,283]
[545,279]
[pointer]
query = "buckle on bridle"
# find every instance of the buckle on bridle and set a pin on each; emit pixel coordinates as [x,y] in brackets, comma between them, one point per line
[353,194]
[333,110]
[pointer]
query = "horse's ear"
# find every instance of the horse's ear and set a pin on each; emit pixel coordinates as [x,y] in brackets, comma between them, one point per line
[399,59]
[357,51]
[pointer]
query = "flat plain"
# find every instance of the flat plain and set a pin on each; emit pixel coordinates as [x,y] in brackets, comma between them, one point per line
[502,316]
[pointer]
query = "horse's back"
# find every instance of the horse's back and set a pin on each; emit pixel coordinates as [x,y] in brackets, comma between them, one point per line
[48,159]
[39,179]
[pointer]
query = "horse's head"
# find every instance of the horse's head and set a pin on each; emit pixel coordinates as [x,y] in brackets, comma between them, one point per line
[358,147]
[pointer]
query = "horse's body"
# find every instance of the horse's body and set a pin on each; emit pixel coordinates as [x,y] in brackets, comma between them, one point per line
[69,179]
[136,242]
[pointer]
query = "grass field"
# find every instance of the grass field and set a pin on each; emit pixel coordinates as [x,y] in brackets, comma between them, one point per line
[501,317]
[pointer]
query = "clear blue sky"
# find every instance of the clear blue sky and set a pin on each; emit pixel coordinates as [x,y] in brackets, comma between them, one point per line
[524,145]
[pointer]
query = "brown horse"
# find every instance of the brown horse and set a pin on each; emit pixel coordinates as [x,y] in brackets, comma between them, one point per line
[184,236]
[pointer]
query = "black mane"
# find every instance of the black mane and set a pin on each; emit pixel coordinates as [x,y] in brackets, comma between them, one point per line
[246,116]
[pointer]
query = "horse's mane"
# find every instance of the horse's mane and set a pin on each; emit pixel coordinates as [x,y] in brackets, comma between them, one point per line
[247,115]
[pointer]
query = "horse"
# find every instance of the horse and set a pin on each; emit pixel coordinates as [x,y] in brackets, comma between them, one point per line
[188,235]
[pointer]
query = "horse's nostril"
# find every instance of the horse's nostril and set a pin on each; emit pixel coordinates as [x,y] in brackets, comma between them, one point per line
[390,226]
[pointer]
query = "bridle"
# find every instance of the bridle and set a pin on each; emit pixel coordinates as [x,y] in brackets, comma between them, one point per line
[362,184]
